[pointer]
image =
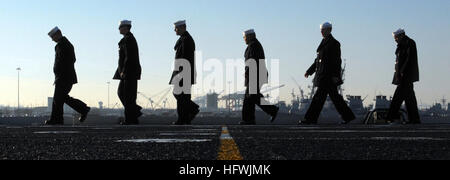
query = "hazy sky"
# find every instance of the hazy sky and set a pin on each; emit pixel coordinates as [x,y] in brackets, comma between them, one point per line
[288,30]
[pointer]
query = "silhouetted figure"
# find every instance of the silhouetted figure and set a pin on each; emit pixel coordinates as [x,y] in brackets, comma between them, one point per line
[183,77]
[328,70]
[65,78]
[128,72]
[406,74]
[255,58]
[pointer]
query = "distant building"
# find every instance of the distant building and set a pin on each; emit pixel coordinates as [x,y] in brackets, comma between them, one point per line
[100,105]
[437,110]
[283,107]
[49,104]
[212,102]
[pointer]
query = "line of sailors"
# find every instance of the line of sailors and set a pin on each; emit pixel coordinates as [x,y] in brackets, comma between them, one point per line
[326,67]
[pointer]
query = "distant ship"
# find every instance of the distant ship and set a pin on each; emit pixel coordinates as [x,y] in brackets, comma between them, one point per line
[301,102]
[381,102]
[437,110]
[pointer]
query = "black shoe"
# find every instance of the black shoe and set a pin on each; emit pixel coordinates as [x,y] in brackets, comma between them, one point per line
[125,123]
[139,113]
[395,122]
[84,115]
[53,123]
[413,123]
[306,122]
[389,121]
[194,114]
[178,123]
[345,122]
[274,117]
[247,123]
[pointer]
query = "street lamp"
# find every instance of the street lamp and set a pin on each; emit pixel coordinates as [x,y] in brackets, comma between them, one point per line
[109,83]
[229,96]
[18,87]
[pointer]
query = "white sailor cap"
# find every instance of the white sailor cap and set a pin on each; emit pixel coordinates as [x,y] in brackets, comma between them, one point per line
[250,31]
[53,31]
[180,23]
[398,32]
[326,25]
[124,23]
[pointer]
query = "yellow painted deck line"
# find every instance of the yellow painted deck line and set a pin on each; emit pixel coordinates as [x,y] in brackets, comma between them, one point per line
[229,150]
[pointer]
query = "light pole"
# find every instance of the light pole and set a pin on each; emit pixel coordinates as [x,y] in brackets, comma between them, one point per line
[229,97]
[18,87]
[109,83]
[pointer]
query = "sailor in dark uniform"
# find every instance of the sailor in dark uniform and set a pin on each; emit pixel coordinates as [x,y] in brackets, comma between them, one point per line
[406,74]
[183,75]
[256,75]
[65,78]
[328,70]
[128,72]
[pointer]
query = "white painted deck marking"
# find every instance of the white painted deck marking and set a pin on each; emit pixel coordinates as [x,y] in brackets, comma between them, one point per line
[164,141]
[365,139]
[205,129]
[188,134]
[14,127]
[57,132]
[102,128]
